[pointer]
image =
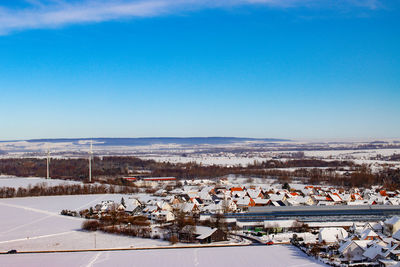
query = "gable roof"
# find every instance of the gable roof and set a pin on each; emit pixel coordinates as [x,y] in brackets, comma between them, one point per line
[393,220]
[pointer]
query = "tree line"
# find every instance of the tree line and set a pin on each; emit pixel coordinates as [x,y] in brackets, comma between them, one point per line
[65,189]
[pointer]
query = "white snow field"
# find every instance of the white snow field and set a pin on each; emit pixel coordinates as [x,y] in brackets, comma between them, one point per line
[35,223]
[208,160]
[276,256]
[16,182]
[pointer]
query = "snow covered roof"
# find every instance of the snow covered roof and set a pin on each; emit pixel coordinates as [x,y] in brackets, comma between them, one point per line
[275,197]
[261,201]
[375,225]
[253,193]
[368,233]
[373,251]
[335,197]
[377,249]
[396,235]
[188,207]
[202,232]
[129,206]
[243,201]
[331,235]
[393,220]
[361,243]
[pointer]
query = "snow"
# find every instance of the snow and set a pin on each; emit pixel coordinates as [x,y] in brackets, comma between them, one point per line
[285,237]
[393,220]
[359,154]
[204,231]
[35,223]
[16,182]
[289,256]
[208,160]
[76,239]
[331,235]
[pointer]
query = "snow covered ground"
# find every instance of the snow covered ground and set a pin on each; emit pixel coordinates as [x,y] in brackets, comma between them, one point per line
[277,256]
[35,223]
[208,160]
[285,237]
[231,159]
[15,182]
[355,154]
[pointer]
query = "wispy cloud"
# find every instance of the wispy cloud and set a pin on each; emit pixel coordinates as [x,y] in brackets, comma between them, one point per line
[37,14]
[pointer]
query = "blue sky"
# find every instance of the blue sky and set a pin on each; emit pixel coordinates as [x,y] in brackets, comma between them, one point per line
[251,68]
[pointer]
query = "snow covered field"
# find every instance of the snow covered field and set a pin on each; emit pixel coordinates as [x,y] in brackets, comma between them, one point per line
[277,256]
[35,223]
[355,154]
[229,159]
[209,160]
[16,182]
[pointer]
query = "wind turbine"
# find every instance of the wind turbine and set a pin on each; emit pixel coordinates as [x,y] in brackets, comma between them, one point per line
[48,164]
[90,161]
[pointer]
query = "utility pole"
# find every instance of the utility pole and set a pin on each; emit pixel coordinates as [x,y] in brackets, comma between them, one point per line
[90,161]
[48,164]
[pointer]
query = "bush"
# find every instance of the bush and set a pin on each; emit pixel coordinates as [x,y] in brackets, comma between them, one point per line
[91,225]
[173,239]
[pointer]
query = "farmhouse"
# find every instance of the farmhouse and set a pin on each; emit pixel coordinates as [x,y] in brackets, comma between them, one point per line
[332,235]
[201,234]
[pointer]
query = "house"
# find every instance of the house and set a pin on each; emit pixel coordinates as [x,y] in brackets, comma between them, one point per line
[376,226]
[396,235]
[245,203]
[106,206]
[310,201]
[161,192]
[373,252]
[148,210]
[132,207]
[261,202]
[392,225]
[162,205]
[213,208]
[206,198]
[318,199]
[275,197]
[368,234]
[380,251]
[335,197]
[162,216]
[331,234]
[201,234]
[254,194]
[188,208]
[353,250]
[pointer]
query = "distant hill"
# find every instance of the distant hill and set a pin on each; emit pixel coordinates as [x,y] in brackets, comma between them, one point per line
[159,140]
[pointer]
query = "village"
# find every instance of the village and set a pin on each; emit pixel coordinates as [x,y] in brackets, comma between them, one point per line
[203,212]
